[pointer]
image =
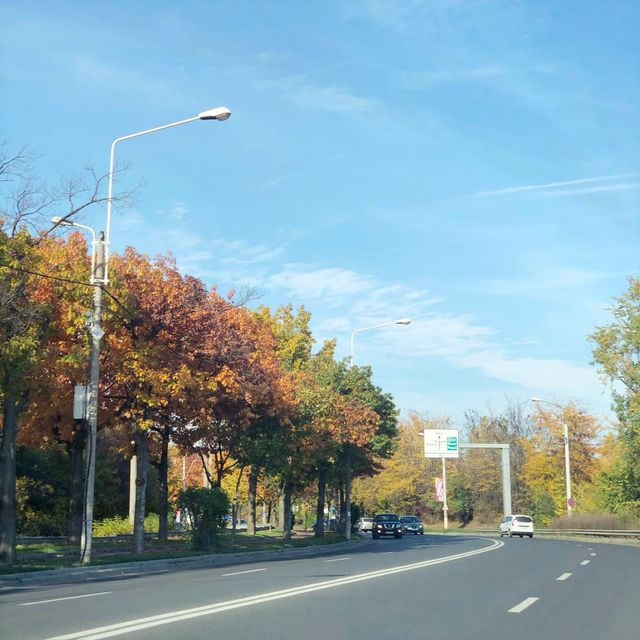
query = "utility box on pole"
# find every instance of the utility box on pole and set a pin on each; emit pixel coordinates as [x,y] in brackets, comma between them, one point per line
[80,401]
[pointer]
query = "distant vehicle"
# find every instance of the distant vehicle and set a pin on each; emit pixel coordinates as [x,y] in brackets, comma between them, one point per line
[516,525]
[329,525]
[365,525]
[386,524]
[412,524]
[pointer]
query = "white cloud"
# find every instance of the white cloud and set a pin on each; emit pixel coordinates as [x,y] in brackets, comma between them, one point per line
[544,280]
[577,192]
[178,210]
[331,99]
[320,283]
[551,185]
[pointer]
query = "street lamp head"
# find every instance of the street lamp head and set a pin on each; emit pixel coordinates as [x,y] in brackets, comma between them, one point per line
[219,113]
[61,221]
[403,321]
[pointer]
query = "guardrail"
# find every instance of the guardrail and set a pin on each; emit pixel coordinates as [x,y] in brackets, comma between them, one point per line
[605,533]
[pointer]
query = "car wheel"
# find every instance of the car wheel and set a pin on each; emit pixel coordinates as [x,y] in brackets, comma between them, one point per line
[510,534]
[531,535]
[374,536]
[422,533]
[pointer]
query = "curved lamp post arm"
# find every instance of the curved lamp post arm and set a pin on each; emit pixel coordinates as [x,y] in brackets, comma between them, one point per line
[404,321]
[219,113]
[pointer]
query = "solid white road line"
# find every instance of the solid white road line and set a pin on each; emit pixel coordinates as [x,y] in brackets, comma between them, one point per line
[237,573]
[564,576]
[584,562]
[109,631]
[86,595]
[519,608]
[337,559]
[387,553]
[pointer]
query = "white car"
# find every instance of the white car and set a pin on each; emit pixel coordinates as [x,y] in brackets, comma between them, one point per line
[516,525]
[365,525]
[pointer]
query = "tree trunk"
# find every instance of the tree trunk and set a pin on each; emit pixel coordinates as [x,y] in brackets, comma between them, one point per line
[8,481]
[253,489]
[142,451]
[347,495]
[281,522]
[322,490]
[75,449]
[286,509]
[163,475]
[342,514]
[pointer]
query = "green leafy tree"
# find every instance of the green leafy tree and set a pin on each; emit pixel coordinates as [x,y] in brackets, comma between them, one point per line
[617,354]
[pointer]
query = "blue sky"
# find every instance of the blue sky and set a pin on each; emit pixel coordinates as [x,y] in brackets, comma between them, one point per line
[471,164]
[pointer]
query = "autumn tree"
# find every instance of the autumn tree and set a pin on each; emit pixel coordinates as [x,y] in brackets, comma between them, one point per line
[544,459]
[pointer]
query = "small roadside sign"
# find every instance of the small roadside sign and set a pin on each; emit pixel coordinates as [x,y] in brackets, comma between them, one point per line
[441,443]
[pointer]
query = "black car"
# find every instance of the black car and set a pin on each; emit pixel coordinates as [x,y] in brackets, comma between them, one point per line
[386,524]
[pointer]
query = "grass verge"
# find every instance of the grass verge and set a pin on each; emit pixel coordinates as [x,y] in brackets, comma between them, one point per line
[47,556]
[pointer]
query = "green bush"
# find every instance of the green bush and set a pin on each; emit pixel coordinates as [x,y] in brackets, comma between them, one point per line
[206,509]
[120,525]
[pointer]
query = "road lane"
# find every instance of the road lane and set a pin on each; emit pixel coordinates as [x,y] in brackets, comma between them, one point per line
[467,598]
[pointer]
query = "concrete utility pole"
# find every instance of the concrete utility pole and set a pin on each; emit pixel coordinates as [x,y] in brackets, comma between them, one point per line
[567,462]
[96,332]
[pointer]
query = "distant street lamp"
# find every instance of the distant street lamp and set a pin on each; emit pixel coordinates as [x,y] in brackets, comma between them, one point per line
[404,321]
[567,464]
[347,532]
[100,278]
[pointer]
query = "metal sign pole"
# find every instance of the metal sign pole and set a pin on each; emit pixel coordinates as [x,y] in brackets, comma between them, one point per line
[445,506]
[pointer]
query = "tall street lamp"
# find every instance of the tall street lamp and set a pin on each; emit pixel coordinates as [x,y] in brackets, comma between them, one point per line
[100,279]
[567,464]
[404,321]
[347,523]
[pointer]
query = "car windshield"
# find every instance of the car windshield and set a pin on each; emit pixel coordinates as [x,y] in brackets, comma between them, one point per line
[409,519]
[386,517]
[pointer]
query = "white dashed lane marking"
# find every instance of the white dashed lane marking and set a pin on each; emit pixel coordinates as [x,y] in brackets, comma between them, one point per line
[237,573]
[564,576]
[585,562]
[86,595]
[337,559]
[519,608]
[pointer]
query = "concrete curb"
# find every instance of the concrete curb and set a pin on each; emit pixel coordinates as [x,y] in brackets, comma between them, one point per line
[124,569]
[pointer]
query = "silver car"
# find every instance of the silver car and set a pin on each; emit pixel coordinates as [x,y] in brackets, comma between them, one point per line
[412,524]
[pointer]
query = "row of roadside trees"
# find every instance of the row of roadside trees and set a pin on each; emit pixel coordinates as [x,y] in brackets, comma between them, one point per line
[181,365]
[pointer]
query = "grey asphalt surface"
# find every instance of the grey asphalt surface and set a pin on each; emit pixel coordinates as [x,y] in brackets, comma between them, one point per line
[424,590]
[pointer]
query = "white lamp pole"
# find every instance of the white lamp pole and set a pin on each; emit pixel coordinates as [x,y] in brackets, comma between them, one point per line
[404,321]
[100,279]
[567,463]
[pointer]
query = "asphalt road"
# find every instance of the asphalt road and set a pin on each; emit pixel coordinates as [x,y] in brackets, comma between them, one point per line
[426,587]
